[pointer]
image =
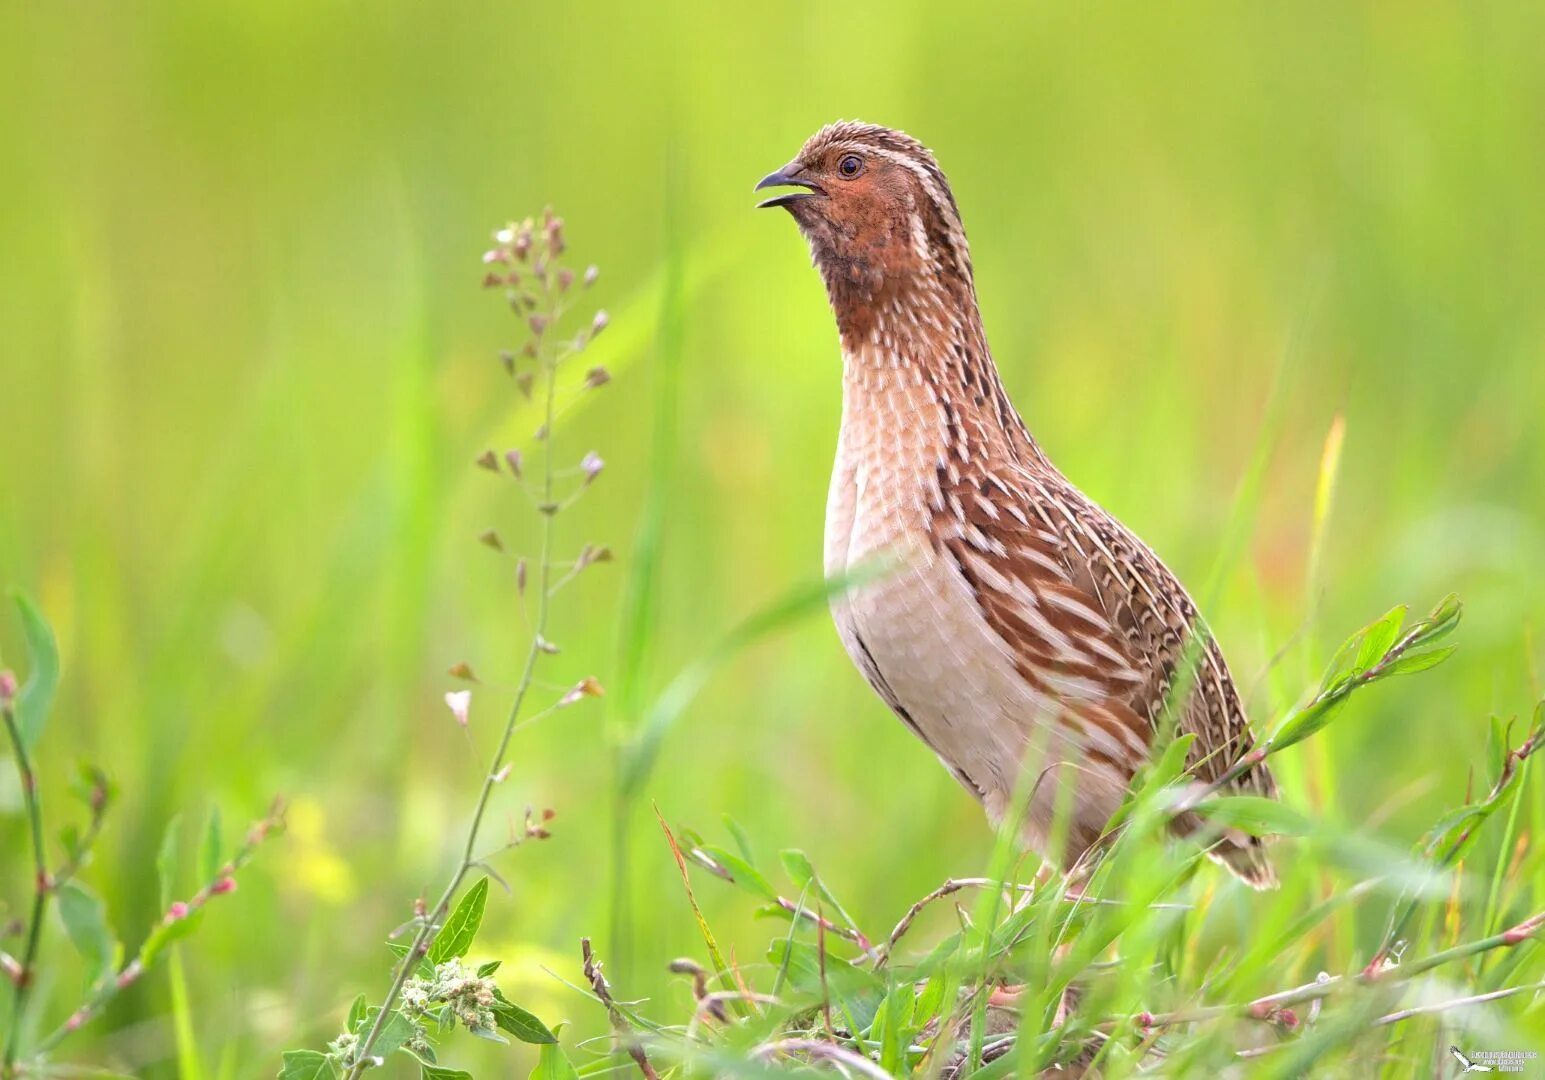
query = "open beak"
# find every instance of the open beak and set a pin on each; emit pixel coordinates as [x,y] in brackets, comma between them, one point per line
[788,176]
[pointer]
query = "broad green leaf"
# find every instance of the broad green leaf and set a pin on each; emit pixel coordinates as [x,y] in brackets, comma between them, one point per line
[436,1072]
[166,860]
[395,1033]
[210,856]
[357,1013]
[306,1065]
[553,1064]
[1379,636]
[36,696]
[1411,663]
[858,991]
[742,873]
[456,936]
[485,970]
[85,921]
[1299,725]
[520,1023]
[1255,815]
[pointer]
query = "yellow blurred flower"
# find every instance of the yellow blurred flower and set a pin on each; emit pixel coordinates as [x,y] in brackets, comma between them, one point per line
[318,868]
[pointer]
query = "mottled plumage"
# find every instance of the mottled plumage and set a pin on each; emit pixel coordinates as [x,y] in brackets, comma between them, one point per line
[1022,624]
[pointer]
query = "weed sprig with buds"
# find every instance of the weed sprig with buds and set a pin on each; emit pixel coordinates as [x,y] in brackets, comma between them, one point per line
[432,991]
[25,709]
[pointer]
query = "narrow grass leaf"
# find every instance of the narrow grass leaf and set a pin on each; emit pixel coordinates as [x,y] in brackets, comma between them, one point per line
[1255,815]
[663,713]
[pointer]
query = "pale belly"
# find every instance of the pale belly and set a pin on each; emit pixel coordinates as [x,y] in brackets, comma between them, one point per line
[917,636]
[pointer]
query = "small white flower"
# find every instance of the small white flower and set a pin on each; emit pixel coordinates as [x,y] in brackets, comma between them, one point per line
[459,702]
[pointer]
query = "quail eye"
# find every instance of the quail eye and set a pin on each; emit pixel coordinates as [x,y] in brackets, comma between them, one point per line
[850,166]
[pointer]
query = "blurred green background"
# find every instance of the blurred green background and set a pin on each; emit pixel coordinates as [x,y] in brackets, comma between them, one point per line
[245,365]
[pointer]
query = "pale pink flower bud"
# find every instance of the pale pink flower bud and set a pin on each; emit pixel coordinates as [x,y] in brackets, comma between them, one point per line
[7,686]
[178,910]
[586,687]
[459,702]
[223,886]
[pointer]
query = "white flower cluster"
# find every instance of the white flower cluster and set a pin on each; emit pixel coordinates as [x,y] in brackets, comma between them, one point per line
[470,998]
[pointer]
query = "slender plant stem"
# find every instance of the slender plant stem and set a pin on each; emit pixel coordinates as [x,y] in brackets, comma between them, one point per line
[23,979]
[1271,1005]
[1415,1011]
[430,923]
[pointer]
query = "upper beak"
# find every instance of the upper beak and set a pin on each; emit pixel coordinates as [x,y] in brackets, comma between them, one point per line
[788,176]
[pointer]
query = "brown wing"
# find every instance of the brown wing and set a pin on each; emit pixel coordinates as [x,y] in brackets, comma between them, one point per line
[1092,616]
[1150,612]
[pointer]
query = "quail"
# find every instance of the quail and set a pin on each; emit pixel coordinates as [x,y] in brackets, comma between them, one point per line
[1020,630]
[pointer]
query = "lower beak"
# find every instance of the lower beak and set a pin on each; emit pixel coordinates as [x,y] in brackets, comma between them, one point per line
[788,177]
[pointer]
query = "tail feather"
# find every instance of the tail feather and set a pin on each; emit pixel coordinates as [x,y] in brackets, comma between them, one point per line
[1246,859]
